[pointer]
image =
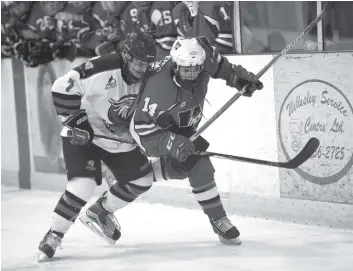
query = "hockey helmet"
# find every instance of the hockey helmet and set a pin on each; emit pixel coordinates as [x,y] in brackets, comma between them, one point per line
[138,54]
[188,59]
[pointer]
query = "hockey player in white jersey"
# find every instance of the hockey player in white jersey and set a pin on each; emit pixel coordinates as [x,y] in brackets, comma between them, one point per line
[96,98]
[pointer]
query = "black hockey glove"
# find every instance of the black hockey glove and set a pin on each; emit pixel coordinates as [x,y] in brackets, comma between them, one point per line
[201,144]
[105,47]
[239,77]
[178,146]
[80,130]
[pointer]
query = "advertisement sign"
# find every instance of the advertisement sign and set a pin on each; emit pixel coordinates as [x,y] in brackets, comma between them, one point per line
[314,99]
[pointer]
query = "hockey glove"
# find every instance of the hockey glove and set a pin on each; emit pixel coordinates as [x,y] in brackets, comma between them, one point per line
[201,144]
[239,77]
[178,146]
[80,130]
[105,47]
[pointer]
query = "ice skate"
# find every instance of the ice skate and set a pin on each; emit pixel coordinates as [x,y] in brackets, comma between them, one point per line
[102,222]
[226,231]
[47,247]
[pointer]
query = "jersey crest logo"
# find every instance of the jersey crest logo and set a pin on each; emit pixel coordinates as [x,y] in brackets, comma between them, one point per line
[119,110]
[111,83]
[190,117]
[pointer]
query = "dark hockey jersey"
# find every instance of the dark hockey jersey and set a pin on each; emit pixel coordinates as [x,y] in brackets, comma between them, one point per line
[189,29]
[39,25]
[129,20]
[71,25]
[166,106]
[218,17]
[103,26]
[165,32]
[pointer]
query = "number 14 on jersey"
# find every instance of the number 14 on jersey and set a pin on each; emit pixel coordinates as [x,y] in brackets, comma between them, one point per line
[149,108]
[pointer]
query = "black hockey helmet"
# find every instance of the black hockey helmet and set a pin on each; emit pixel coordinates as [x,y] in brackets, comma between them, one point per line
[138,53]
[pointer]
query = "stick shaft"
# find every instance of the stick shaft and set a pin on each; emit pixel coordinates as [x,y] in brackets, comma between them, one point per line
[260,73]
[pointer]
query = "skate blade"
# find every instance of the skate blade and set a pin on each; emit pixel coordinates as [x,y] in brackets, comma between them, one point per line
[41,257]
[94,228]
[233,242]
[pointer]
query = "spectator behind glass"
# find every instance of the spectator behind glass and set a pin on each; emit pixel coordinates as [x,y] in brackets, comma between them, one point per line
[272,22]
[338,27]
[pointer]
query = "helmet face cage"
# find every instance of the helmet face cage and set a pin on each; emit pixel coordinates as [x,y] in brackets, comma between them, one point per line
[189,73]
[138,68]
[138,55]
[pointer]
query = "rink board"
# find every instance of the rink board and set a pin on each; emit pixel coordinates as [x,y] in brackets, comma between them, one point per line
[314,98]
[249,128]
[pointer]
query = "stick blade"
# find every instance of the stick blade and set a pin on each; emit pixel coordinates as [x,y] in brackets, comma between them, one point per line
[304,154]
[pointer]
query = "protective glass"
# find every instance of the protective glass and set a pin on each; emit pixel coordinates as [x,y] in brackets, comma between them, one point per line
[189,73]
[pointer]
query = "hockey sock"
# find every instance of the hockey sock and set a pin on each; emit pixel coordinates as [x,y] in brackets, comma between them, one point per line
[208,197]
[76,195]
[205,190]
[121,195]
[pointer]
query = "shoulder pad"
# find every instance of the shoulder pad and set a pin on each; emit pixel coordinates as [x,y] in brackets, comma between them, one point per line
[157,67]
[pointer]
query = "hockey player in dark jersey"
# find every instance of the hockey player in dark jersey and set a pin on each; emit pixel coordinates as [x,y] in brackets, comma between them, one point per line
[188,20]
[96,98]
[74,27]
[37,29]
[130,20]
[219,19]
[163,27]
[105,28]
[9,35]
[206,18]
[168,113]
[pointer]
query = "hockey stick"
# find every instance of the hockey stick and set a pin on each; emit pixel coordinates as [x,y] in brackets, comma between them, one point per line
[301,157]
[304,155]
[260,73]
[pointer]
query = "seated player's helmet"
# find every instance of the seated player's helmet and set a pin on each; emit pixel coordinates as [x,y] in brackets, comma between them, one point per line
[188,59]
[52,7]
[138,54]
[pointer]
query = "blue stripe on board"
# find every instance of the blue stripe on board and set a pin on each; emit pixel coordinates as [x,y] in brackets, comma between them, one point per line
[24,173]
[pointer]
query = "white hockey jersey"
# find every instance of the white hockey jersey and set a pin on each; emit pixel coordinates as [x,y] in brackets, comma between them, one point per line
[98,87]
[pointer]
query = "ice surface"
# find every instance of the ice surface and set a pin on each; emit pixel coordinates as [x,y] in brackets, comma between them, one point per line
[157,237]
